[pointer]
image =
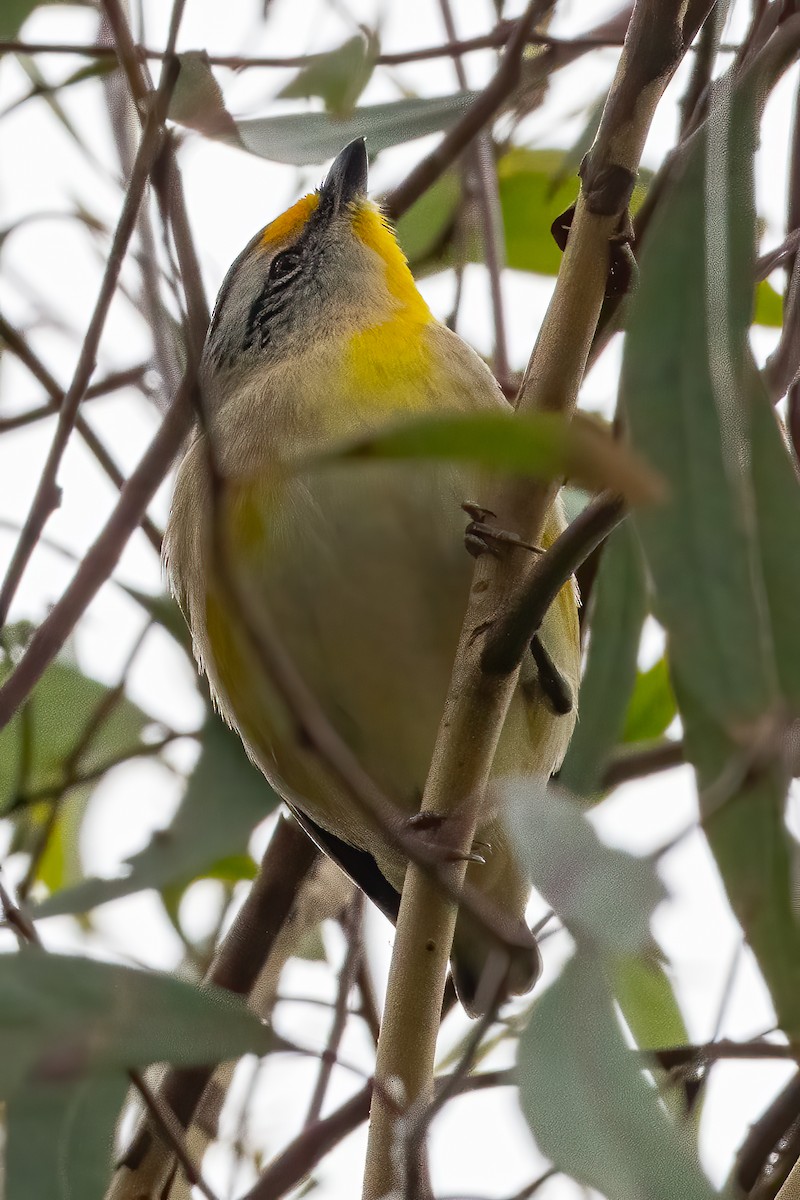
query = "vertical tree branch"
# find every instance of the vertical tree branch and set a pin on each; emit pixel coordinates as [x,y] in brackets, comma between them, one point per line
[477,701]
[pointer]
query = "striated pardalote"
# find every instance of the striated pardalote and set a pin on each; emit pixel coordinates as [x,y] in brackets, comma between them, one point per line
[320,336]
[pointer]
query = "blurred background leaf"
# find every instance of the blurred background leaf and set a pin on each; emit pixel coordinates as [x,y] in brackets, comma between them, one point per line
[225,798]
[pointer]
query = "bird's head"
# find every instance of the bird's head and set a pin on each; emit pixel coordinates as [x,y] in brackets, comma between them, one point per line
[328,268]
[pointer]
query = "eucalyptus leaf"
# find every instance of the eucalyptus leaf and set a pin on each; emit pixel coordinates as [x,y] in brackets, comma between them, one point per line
[652,706]
[225,799]
[337,77]
[592,1110]
[604,896]
[542,445]
[721,549]
[618,613]
[63,1019]
[59,1138]
[305,138]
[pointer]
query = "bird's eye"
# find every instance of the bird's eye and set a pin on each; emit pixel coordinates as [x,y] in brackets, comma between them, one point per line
[284,264]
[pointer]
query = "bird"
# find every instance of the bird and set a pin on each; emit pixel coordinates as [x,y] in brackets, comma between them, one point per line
[319,337]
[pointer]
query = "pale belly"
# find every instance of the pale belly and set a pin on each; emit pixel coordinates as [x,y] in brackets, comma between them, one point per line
[362,573]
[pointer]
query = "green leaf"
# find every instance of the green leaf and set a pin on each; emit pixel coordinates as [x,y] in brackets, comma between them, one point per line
[14,13]
[93,70]
[777,500]
[306,138]
[424,228]
[338,77]
[533,189]
[310,137]
[644,993]
[768,306]
[604,896]
[64,1018]
[591,1109]
[618,613]
[37,742]
[721,551]
[541,444]
[225,799]
[197,99]
[60,1138]
[652,706]
[40,753]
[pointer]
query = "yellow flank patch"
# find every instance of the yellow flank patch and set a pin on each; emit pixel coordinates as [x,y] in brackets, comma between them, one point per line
[389,361]
[290,222]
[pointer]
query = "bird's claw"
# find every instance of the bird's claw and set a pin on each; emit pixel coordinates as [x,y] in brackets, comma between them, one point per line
[481,537]
[435,822]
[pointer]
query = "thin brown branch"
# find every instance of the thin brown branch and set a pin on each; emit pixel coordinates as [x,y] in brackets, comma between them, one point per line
[482,166]
[352,927]
[495,39]
[639,762]
[170,1130]
[19,347]
[765,1135]
[101,558]
[47,493]
[309,1148]
[113,382]
[477,116]
[289,858]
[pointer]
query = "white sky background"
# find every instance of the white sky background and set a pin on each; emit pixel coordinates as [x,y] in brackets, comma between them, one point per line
[53,267]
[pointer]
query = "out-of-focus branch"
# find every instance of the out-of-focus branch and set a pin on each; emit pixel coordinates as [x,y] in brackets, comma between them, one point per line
[481,166]
[352,926]
[113,382]
[495,39]
[47,495]
[481,111]
[101,558]
[18,346]
[289,858]
[639,762]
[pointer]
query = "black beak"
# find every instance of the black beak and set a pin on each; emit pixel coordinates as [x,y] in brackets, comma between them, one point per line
[347,178]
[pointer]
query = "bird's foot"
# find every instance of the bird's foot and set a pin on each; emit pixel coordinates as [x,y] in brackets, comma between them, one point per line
[481,537]
[557,691]
[431,822]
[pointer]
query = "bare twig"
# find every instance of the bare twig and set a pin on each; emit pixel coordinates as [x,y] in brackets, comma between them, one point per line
[288,860]
[352,927]
[170,1130]
[764,1136]
[508,641]
[17,344]
[640,761]
[101,558]
[47,494]
[480,112]
[496,39]
[113,382]
[482,164]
